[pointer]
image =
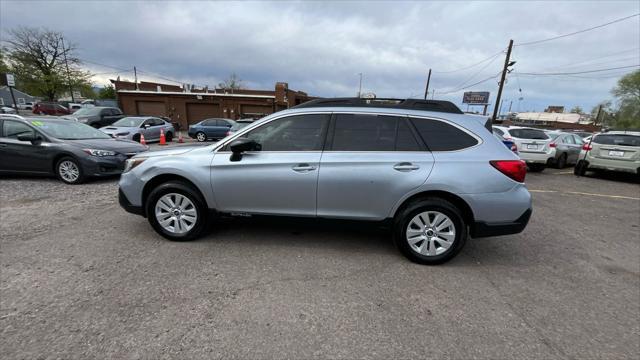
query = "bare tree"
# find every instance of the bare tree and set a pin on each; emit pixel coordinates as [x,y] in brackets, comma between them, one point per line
[233,82]
[37,57]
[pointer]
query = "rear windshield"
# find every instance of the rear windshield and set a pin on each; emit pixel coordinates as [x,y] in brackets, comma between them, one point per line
[528,134]
[621,139]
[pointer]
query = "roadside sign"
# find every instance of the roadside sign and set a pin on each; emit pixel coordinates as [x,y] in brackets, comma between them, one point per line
[476,97]
[11,80]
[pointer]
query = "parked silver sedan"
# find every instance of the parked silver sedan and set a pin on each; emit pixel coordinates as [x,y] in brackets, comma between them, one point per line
[567,147]
[132,127]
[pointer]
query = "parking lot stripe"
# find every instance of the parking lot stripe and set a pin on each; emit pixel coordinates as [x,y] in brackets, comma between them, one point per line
[563,173]
[584,193]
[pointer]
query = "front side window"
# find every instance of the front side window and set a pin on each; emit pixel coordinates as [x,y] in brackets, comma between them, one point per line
[292,133]
[369,132]
[12,129]
[441,136]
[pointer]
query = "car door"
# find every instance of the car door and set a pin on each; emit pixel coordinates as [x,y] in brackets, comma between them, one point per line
[107,117]
[222,127]
[23,156]
[577,147]
[279,179]
[209,128]
[370,162]
[148,130]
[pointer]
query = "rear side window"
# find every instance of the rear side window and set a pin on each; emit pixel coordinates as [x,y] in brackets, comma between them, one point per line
[440,136]
[368,132]
[498,131]
[533,134]
[617,139]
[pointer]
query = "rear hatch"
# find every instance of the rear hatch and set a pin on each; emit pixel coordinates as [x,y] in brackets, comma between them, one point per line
[624,147]
[530,140]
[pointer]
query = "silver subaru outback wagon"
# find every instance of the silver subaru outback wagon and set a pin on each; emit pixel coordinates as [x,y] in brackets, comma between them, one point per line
[435,174]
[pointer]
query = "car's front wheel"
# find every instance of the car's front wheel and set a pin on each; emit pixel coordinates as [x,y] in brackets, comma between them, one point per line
[177,211]
[430,231]
[200,136]
[69,171]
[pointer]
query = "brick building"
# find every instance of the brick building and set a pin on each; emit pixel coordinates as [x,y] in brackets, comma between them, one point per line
[188,106]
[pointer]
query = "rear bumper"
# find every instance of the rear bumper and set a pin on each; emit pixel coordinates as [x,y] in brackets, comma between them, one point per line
[484,229]
[537,158]
[127,206]
[629,166]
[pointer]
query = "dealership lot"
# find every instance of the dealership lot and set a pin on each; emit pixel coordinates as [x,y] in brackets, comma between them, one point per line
[82,278]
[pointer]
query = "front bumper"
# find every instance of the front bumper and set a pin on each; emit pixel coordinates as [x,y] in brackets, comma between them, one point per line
[484,229]
[103,166]
[127,206]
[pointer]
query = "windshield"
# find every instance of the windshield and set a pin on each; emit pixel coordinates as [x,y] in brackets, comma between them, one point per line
[528,134]
[68,130]
[129,122]
[87,111]
[617,139]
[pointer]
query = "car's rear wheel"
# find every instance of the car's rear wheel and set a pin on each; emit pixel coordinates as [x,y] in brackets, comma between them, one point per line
[201,137]
[561,163]
[69,171]
[536,167]
[177,211]
[430,231]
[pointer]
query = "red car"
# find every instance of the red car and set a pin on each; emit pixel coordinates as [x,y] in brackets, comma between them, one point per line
[50,109]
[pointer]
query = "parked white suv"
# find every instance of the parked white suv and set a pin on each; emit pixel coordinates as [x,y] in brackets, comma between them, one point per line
[534,145]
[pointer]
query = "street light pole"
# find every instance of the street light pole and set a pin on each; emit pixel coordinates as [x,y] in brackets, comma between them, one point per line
[502,78]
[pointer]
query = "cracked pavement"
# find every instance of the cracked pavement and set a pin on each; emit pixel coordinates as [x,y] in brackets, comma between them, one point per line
[80,278]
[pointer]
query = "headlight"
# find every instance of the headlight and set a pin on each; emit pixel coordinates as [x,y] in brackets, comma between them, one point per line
[132,163]
[94,152]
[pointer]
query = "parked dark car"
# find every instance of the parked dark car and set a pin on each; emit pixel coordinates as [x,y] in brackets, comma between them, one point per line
[52,146]
[98,116]
[210,129]
[46,108]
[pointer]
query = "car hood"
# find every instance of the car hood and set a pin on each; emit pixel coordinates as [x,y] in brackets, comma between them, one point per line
[118,129]
[117,145]
[171,152]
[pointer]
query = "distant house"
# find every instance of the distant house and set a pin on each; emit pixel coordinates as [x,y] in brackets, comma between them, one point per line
[21,98]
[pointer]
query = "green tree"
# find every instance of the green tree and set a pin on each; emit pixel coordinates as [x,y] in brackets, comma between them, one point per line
[37,58]
[627,93]
[606,117]
[4,68]
[577,110]
[107,92]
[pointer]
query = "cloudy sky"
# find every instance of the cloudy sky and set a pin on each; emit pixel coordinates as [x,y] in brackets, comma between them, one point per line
[321,47]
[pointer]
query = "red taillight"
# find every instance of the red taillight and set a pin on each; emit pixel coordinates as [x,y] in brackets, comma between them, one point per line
[586,147]
[552,145]
[515,169]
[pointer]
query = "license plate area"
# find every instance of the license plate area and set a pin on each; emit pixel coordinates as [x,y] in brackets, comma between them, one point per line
[532,147]
[616,153]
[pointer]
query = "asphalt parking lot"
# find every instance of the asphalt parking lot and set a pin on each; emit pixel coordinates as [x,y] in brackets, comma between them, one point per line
[80,278]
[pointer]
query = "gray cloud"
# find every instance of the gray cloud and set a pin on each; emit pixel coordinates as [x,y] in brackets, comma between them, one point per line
[320,47]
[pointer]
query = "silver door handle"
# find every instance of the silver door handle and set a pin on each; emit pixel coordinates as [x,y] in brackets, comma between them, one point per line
[405,166]
[303,168]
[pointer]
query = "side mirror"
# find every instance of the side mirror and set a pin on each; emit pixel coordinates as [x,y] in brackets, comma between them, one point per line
[241,145]
[34,139]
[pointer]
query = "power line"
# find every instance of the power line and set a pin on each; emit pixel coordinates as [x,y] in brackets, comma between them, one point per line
[577,32]
[470,66]
[595,58]
[580,72]
[472,85]
[478,72]
[104,65]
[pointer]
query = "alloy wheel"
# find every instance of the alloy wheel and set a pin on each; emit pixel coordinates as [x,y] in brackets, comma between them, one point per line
[430,233]
[69,171]
[175,213]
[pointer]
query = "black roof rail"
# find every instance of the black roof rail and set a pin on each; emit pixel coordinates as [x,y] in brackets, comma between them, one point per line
[409,104]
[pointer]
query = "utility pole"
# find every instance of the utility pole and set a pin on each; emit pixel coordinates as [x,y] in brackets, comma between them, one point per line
[360,87]
[510,104]
[135,75]
[426,91]
[598,114]
[507,63]
[66,64]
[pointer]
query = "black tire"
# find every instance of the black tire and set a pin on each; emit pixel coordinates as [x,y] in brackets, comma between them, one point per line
[581,168]
[561,163]
[64,162]
[402,222]
[202,212]
[536,167]
[204,136]
[169,137]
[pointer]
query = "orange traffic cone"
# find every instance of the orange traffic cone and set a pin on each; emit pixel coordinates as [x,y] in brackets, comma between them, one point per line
[163,140]
[180,139]
[142,141]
